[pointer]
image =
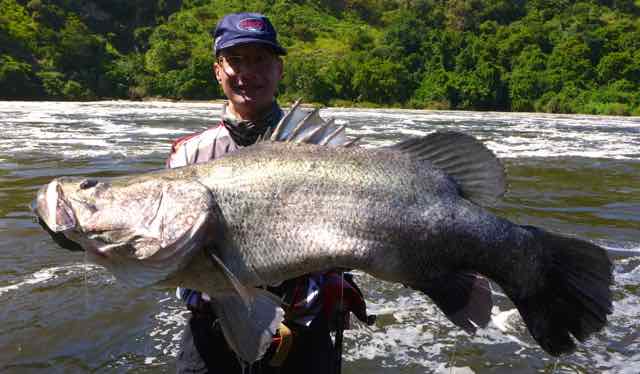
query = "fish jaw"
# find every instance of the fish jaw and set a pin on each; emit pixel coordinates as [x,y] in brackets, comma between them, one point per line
[54,215]
[51,207]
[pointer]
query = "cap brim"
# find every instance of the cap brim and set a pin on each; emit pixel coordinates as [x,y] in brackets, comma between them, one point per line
[240,41]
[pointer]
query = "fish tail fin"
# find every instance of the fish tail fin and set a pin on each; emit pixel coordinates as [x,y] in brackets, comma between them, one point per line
[574,295]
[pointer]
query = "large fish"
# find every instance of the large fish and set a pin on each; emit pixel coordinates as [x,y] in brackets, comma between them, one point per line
[410,213]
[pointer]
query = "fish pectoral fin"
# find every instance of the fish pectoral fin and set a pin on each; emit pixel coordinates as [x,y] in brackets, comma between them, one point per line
[465,298]
[243,292]
[249,330]
[248,318]
[477,171]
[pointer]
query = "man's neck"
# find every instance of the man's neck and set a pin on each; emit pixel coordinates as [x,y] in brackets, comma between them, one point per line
[246,115]
[245,132]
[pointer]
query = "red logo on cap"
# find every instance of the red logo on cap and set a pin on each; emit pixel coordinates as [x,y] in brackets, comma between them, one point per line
[251,24]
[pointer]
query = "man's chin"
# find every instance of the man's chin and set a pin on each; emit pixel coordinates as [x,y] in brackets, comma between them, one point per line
[250,99]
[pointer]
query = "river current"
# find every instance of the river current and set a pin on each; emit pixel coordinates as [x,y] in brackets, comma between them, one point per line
[578,175]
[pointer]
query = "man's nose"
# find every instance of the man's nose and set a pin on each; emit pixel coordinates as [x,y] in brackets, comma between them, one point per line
[247,76]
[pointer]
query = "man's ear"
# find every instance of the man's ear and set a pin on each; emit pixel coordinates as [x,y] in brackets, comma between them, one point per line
[217,71]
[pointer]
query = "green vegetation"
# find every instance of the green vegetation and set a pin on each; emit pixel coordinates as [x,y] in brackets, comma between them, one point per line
[551,56]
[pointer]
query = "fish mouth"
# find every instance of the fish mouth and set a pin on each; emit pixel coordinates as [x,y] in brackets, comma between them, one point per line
[52,207]
[53,213]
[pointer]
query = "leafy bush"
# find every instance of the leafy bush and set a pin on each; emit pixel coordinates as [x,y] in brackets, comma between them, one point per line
[53,83]
[16,79]
[75,91]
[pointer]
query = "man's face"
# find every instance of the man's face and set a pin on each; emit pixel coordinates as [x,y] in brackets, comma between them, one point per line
[249,76]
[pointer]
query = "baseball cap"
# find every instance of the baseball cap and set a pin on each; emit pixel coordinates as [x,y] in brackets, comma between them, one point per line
[243,28]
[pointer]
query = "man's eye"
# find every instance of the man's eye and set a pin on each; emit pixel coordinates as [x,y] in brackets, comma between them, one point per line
[234,60]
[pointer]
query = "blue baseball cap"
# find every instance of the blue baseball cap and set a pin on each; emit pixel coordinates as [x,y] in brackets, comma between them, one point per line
[243,28]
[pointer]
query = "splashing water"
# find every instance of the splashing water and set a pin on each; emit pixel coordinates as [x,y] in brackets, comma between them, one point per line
[574,174]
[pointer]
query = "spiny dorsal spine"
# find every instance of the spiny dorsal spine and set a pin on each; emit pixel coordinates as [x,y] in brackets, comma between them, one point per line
[302,126]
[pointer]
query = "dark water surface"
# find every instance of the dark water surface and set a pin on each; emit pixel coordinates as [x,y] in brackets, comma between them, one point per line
[579,175]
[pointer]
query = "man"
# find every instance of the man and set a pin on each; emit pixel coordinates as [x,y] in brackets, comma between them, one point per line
[248,67]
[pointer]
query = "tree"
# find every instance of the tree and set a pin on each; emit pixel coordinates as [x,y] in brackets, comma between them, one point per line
[570,62]
[618,66]
[379,80]
[526,80]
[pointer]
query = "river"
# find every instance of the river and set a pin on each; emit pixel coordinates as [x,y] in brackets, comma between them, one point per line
[579,175]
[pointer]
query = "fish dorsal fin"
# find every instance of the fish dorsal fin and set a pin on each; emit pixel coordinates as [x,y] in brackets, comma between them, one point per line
[478,172]
[306,126]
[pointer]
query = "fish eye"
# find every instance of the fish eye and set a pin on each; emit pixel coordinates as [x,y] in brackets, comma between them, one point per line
[88,183]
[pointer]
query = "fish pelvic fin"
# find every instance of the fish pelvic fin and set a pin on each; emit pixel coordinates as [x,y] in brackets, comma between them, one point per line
[573,298]
[303,126]
[477,171]
[464,297]
[248,329]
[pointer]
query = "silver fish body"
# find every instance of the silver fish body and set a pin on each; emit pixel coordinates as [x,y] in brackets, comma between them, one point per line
[277,210]
[291,209]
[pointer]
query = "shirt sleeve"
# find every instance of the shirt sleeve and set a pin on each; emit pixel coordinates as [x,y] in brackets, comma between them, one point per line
[201,147]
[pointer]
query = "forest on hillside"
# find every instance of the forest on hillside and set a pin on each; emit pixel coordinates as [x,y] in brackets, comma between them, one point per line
[555,56]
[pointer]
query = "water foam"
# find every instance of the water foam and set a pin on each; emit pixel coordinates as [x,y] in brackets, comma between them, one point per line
[167,333]
[508,134]
[118,124]
[85,130]
[49,274]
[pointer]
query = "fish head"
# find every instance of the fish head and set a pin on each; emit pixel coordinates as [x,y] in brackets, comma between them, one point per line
[128,224]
